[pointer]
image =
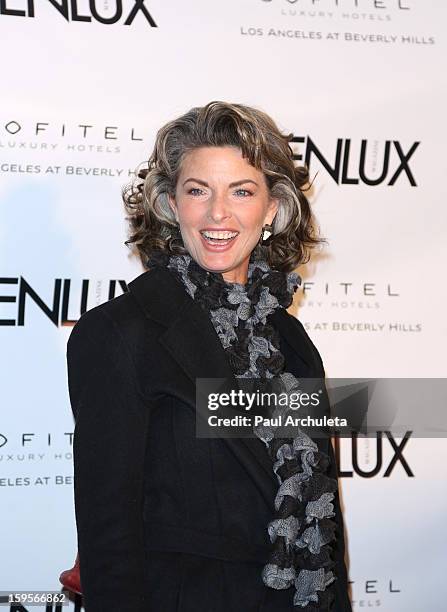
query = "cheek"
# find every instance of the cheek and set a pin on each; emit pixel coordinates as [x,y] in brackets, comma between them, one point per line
[189,215]
[252,216]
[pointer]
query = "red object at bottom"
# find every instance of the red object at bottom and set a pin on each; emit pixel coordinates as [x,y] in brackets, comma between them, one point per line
[71,578]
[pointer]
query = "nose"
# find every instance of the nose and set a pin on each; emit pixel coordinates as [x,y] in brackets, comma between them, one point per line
[219,209]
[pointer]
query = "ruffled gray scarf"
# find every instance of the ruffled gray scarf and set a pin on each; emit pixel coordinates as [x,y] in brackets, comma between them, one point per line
[302,531]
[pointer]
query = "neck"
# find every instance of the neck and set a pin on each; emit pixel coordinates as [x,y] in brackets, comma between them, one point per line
[234,276]
[237,275]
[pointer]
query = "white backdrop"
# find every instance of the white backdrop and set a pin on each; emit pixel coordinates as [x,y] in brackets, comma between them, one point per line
[81,101]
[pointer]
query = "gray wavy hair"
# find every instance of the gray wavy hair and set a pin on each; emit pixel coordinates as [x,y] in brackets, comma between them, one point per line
[152,222]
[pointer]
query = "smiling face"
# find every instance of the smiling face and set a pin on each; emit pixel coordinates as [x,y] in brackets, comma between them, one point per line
[221,204]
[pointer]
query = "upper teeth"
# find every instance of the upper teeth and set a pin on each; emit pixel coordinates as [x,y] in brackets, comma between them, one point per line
[218,234]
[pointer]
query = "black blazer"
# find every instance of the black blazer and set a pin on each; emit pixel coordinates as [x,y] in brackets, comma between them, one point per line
[166,521]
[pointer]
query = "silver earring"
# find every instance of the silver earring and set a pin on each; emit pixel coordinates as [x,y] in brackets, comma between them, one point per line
[266,232]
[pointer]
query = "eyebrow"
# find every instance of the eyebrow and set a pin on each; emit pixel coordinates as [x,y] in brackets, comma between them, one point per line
[234,184]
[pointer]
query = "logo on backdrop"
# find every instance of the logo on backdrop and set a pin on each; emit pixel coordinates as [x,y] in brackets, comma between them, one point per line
[56,307]
[64,297]
[373,593]
[393,165]
[44,457]
[365,161]
[299,6]
[343,4]
[33,447]
[372,453]
[30,440]
[71,11]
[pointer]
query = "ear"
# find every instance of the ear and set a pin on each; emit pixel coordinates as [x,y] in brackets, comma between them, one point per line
[173,205]
[271,211]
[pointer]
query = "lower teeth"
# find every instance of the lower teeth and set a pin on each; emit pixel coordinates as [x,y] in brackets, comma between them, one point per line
[217,240]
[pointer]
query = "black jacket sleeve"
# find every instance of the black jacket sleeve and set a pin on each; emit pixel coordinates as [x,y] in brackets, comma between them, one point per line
[111,418]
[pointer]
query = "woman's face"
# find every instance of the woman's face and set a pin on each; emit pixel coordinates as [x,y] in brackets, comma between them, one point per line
[221,203]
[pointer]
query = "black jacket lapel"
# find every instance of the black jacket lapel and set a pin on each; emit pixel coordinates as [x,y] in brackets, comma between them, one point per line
[191,340]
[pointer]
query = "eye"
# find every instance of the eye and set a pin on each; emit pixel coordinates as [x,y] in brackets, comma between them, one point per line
[243,192]
[195,190]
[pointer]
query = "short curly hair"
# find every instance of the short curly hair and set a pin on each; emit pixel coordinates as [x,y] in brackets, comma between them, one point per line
[218,124]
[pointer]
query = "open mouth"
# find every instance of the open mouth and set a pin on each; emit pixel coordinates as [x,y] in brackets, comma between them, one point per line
[218,237]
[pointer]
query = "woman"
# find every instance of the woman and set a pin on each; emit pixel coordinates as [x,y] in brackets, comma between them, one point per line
[168,521]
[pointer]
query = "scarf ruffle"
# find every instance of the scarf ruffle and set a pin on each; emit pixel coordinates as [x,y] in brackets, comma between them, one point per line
[302,531]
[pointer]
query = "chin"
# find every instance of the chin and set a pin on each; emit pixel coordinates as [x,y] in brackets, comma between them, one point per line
[218,263]
[218,266]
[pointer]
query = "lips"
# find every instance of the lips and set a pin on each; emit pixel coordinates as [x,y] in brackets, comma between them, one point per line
[218,240]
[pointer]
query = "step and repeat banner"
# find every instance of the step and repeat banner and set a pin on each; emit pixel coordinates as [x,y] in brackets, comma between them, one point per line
[361,85]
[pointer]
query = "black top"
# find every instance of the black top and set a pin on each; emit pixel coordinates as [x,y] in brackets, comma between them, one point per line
[166,521]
